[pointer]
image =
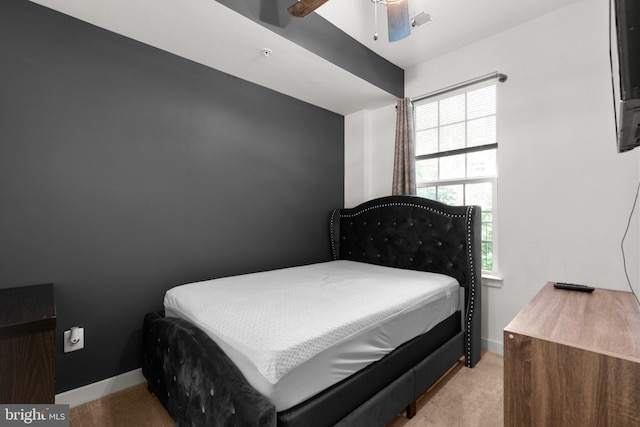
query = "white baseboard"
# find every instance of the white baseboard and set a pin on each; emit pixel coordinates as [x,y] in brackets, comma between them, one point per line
[99,389]
[492,346]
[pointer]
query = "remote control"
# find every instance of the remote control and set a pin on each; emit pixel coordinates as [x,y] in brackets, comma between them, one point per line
[573,287]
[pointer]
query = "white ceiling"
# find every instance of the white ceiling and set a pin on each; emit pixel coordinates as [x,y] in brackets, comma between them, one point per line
[209,33]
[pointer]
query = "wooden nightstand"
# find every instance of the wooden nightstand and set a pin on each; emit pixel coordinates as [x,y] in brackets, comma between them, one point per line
[573,359]
[27,344]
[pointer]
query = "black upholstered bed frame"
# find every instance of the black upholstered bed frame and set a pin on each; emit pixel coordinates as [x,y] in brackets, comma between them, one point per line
[200,386]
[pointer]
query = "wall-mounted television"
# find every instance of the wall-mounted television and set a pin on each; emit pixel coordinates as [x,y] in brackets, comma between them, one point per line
[625,54]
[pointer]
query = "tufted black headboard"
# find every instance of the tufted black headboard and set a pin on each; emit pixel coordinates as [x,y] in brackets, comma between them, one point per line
[416,233]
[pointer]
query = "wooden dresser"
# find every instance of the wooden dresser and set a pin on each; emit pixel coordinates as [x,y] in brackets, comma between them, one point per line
[27,345]
[573,359]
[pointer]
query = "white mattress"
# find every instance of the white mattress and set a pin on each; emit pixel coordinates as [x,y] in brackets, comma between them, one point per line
[294,332]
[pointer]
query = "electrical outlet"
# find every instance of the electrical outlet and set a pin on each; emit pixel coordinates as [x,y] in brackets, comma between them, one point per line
[73,339]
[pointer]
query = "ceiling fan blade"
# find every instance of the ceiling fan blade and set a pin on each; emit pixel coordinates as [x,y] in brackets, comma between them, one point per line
[304,7]
[398,20]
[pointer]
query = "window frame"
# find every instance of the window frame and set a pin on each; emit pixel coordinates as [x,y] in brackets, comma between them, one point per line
[491,275]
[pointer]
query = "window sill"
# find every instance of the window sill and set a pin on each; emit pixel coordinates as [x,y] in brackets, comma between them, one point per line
[491,280]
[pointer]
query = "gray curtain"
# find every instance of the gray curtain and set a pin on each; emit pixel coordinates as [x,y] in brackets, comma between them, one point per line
[404,162]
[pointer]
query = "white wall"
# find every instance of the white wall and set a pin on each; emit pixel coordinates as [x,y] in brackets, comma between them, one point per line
[564,193]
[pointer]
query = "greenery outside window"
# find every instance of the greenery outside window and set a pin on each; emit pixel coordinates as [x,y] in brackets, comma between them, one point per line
[456,156]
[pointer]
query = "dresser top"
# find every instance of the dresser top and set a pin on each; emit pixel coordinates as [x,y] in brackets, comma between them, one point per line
[603,321]
[26,305]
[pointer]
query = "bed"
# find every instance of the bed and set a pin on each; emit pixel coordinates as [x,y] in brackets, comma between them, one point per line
[391,241]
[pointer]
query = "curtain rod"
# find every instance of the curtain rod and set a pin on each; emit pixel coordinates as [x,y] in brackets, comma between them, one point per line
[495,75]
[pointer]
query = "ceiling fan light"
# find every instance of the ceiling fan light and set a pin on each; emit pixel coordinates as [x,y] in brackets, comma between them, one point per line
[399,24]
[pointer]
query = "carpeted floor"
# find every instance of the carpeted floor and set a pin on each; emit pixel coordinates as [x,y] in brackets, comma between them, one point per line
[134,407]
[463,397]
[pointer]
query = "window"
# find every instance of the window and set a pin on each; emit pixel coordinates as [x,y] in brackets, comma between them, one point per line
[456,149]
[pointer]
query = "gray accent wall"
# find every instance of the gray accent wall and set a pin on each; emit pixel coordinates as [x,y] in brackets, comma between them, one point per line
[126,170]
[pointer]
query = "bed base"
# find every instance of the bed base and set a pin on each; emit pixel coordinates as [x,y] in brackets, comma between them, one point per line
[334,404]
[390,401]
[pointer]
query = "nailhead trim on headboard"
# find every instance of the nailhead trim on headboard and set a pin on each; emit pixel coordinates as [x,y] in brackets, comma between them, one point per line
[332,234]
[472,287]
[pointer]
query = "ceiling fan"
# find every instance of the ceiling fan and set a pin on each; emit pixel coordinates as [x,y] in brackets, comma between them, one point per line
[397,15]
